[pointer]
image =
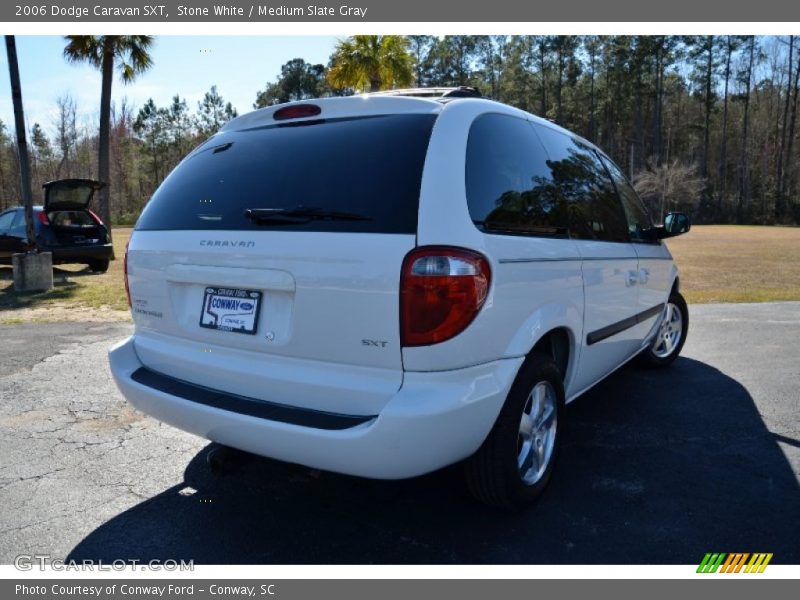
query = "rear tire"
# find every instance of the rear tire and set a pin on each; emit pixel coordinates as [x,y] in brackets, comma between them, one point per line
[671,336]
[99,266]
[514,465]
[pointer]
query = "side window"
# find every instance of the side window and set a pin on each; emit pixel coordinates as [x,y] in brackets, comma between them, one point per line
[18,225]
[636,214]
[592,203]
[6,219]
[509,185]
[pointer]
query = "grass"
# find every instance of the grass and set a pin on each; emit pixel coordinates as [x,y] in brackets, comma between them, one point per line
[733,263]
[718,263]
[75,286]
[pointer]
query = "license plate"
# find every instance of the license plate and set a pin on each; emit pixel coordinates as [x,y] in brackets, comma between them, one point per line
[229,309]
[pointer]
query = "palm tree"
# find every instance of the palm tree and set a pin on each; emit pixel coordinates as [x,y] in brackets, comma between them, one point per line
[130,54]
[377,62]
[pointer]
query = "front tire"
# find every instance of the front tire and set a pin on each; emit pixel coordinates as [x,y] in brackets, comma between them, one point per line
[671,335]
[513,466]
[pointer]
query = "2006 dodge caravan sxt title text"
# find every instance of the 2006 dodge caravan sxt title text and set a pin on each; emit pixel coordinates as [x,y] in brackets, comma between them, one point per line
[387,284]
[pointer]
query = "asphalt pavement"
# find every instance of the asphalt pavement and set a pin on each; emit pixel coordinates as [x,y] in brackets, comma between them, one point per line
[656,467]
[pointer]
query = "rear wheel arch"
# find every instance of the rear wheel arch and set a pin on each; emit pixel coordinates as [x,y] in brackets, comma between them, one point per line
[676,285]
[558,343]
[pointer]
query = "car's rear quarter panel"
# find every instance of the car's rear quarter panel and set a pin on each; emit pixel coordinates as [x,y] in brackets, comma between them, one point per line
[536,281]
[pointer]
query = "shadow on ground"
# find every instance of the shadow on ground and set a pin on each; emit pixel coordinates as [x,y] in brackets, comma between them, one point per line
[65,286]
[656,467]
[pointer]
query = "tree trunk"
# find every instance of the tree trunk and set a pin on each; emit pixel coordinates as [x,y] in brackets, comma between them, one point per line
[375,83]
[658,108]
[723,152]
[608,111]
[638,146]
[744,170]
[592,105]
[543,77]
[491,63]
[560,86]
[22,145]
[155,163]
[779,199]
[618,141]
[590,44]
[3,190]
[104,138]
[789,171]
[708,105]
[500,62]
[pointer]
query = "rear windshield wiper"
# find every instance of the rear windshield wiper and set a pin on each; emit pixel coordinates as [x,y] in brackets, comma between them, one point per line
[300,214]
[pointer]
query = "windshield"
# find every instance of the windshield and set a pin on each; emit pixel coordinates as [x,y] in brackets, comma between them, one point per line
[368,166]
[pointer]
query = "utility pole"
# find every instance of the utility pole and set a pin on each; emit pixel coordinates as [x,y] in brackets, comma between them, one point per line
[33,271]
[22,145]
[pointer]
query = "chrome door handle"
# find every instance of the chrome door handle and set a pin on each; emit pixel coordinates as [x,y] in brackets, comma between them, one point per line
[631,278]
[644,276]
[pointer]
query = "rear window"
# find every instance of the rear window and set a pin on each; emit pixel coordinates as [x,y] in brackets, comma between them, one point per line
[366,166]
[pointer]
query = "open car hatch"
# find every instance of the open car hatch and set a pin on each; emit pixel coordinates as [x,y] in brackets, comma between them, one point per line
[70,194]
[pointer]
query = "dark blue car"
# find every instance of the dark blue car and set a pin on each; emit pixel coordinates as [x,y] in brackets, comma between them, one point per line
[64,226]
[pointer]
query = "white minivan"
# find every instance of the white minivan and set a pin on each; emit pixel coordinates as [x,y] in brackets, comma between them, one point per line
[384,285]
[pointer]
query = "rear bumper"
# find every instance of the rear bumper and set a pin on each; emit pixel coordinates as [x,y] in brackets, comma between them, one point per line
[434,420]
[80,254]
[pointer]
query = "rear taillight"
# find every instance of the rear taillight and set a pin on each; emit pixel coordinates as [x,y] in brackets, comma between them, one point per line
[125,272]
[442,289]
[97,219]
[43,219]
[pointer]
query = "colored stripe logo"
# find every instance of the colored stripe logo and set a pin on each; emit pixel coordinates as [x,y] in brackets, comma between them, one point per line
[736,562]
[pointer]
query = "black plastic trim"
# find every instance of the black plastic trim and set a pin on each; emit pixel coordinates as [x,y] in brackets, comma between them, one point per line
[606,332]
[253,407]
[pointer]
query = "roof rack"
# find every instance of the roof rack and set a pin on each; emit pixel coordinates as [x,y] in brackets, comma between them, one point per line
[432,92]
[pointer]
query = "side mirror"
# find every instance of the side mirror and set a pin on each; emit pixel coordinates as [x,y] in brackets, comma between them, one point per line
[675,223]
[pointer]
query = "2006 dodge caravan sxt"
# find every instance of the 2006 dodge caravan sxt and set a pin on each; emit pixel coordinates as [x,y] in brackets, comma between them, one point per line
[384,285]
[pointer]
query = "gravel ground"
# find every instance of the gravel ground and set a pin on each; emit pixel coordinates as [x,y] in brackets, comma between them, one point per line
[656,467]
